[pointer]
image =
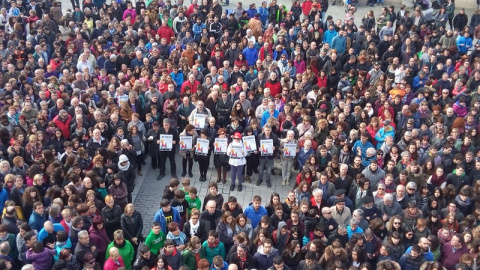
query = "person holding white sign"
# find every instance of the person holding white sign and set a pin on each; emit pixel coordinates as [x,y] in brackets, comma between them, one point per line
[237,161]
[288,156]
[187,154]
[168,154]
[266,153]
[220,160]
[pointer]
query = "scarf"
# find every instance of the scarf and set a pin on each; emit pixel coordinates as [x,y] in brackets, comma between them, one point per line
[124,168]
[463,203]
[438,181]
[179,239]
[214,244]
[194,228]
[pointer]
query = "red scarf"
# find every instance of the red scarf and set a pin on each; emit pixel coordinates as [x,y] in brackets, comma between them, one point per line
[214,244]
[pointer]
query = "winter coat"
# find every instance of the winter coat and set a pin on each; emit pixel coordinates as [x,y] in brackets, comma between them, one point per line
[160,218]
[458,181]
[132,226]
[174,260]
[209,253]
[99,239]
[119,193]
[374,177]
[126,252]
[111,219]
[41,260]
[264,261]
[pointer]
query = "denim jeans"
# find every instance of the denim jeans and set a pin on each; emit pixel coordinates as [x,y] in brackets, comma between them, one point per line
[267,164]
[237,172]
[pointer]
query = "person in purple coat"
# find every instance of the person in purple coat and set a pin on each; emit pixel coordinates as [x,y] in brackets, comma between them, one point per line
[40,256]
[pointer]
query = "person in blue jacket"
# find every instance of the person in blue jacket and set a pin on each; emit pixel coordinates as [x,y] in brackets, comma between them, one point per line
[251,54]
[464,43]
[383,132]
[177,76]
[304,153]
[263,10]
[37,218]
[3,198]
[255,211]
[197,29]
[329,35]
[166,214]
[339,42]
[360,147]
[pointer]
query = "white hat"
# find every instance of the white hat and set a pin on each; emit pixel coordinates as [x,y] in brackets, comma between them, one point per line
[122,158]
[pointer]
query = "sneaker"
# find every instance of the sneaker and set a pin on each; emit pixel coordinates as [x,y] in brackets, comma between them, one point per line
[202,179]
[239,188]
[284,182]
[232,187]
[184,173]
[190,174]
[160,176]
[269,184]
[258,183]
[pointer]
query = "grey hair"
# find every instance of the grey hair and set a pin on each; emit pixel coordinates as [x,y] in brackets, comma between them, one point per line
[371,151]
[353,221]
[317,191]
[28,267]
[290,132]
[412,185]
[358,212]
[388,197]
[82,233]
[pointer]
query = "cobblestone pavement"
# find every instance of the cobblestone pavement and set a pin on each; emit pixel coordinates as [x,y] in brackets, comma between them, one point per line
[148,190]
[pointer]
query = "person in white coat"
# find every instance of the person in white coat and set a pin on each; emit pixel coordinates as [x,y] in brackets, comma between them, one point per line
[236,152]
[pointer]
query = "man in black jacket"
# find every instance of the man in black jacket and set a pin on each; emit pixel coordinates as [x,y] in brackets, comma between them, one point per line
[170,154]
[266,160]
[224,109]
[145,259]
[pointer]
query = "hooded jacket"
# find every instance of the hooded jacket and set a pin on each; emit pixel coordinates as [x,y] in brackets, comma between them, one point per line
[458,181]
[264,261]
[280,241]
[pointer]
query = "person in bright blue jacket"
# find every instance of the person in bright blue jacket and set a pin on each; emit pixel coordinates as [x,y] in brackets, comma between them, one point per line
[255,211]
[3,198]
[166,214]
[197,29]
[263,11]
[383,132]
[419,81]
[251,54]
[329,35]
[177,77]
[49,228]
[360,147]
[339,43]
[37,218]
[464,43]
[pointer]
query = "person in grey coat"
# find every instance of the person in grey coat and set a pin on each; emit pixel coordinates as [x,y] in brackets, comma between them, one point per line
[389,208]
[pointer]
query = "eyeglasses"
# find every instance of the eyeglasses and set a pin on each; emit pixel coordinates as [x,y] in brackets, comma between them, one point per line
[411,189]
[368,106]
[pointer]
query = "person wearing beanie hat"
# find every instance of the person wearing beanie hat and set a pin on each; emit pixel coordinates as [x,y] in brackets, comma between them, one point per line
[98,237]
[128,174]
[236,151]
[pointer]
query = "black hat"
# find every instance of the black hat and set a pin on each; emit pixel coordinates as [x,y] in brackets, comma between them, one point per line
[367,199]
[339,200]
[339,192]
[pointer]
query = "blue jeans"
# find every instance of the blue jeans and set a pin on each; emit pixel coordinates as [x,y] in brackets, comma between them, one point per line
[266,163]
[237,172]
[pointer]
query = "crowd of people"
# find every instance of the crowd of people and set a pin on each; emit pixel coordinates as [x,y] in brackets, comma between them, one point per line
[375,127]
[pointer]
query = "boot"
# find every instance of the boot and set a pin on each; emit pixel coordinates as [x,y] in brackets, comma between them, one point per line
[219,172]
[190,167]
[184,173]
[333,4]
[224,179]
[248,179]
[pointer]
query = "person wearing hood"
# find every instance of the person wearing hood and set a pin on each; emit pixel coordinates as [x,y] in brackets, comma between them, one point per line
[125,249]
[119,191]
[458,178]
[374,173]
[281,236]
[265,254]
[98,237]
[128,173]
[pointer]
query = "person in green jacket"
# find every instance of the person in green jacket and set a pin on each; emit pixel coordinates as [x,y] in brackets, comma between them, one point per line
[212,247]
[125,249]
[190,253]
[155,238]
[193,200]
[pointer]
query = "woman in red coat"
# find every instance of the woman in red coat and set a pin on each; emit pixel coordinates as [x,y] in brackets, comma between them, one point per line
[115,261]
